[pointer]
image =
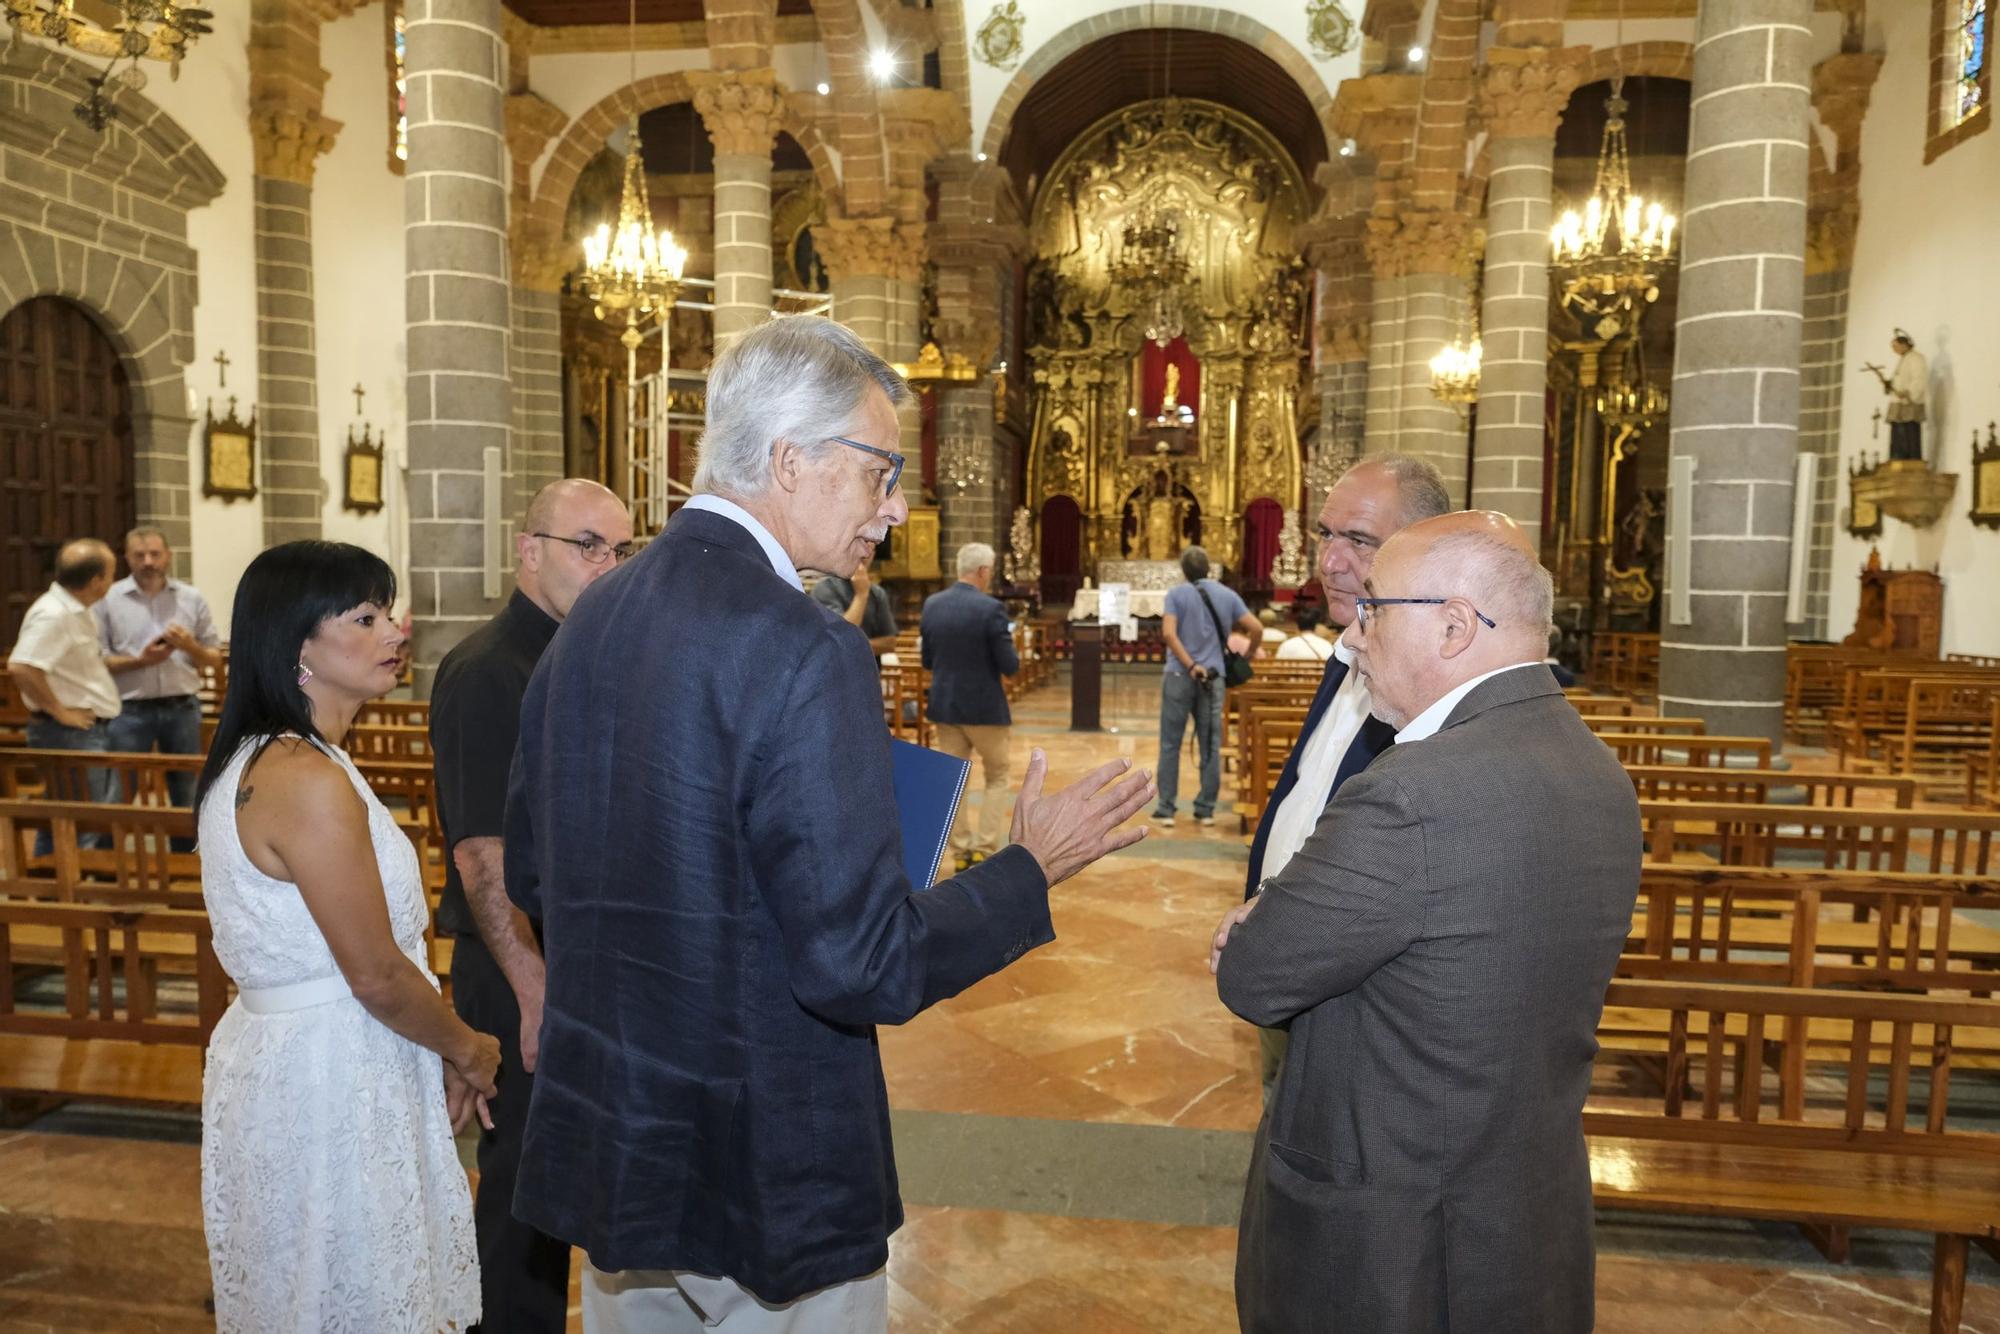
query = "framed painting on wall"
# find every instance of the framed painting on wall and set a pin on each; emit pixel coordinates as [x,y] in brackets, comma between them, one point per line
[229,455]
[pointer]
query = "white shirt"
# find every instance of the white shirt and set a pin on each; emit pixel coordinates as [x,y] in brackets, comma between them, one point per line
[59,636]
[729,509]
[1430,720]
[1319,765]
[1305,648]
[1908,387]
[128,620]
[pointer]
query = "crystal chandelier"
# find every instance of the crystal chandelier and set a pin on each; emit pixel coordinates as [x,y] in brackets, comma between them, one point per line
[1636,406]
[1154,275]
[1610,255]
[1455,372]
[143,30]
[633,274]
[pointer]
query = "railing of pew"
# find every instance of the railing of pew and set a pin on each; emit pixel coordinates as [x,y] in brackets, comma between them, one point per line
[1982,777]
[1654,748]
[130,861]
[110,959]
[1946,842]
[1674,782]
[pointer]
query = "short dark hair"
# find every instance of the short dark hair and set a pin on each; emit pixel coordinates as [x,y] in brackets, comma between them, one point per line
[82,561]
[1194,564]
[1306,616]
[286,594]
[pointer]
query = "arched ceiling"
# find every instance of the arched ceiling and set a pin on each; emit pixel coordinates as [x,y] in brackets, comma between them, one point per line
[1139,65]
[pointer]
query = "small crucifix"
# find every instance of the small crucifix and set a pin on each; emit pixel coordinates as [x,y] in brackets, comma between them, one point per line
[222,369]
[1875,431]
[359,393]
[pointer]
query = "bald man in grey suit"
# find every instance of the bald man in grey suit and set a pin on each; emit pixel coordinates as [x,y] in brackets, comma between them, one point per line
[1440,948]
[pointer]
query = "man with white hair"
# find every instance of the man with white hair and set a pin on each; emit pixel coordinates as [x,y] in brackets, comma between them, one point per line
[968,647]
[1440,947]
[702,818]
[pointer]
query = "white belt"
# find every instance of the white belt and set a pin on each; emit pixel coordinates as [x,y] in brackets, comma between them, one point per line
[305,995]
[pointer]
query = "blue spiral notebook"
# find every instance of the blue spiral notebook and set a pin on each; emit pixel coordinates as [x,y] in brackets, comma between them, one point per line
[929,786]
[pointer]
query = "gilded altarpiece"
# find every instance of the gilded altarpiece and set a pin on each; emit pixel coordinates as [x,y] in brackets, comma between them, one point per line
[1236,199]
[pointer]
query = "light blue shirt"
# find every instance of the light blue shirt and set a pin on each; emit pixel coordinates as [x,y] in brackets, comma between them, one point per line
[729,509]
[1197,628]
[128,620]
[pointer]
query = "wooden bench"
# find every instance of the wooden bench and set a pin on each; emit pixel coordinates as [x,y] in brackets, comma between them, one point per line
[1731,1133]
[109,1038]
[1678,782]
[1982,775]
[1654,748]
[1816,680]
[1585,701]
[395,713]
[1754,834]
[135,864]
[1648,726]
[1624,662]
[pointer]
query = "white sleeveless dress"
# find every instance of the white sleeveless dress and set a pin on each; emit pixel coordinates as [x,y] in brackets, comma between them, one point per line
[331,1194]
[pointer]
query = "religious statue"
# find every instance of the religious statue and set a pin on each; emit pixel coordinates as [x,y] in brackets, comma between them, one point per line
[1907,389]
[1161,530]
[1024,565]
[1290,570]
[1171,398]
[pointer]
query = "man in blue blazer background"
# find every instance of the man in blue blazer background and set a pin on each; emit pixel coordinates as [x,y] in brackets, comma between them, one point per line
[1371,502]
[967,649]
[701,815]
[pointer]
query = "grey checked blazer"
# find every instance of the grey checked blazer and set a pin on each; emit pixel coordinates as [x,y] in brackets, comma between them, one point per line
[1440,949]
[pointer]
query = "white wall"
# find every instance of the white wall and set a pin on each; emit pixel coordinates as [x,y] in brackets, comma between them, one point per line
[211,102]
[1924,259]
[358,278]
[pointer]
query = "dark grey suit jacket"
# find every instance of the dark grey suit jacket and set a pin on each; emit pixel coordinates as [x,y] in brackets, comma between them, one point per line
[1440,947]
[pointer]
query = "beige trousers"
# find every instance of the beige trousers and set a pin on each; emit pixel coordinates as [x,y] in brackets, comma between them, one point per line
[990,742]
[666,1301]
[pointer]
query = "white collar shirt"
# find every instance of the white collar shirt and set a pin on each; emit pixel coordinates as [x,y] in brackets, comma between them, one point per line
[1319,764]
[1427,723]
[59,636]
[729,509]
[128,619]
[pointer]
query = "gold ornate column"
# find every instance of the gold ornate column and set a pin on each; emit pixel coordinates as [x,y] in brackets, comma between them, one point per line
[741,110]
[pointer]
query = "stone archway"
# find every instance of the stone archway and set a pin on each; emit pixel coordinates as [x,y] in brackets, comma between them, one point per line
[1663,60]
[126,258]
[1197,18]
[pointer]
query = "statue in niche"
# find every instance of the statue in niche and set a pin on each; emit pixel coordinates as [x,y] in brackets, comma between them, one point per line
[1171,398]
[1907,387]
[1157,519]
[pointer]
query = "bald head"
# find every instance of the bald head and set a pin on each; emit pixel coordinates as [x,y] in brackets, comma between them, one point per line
[84,569]
[1485,603]
[568,540]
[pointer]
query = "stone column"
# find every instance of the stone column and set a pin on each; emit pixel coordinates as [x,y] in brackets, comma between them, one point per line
[1333,245]
[1419,261]
[1523,98]
[971,250]
[1736,361]
[860,259]
[459,312]
[741,110]
[288,134]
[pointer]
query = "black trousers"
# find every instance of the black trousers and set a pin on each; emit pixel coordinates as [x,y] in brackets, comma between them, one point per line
[523,1273]
[1906,440]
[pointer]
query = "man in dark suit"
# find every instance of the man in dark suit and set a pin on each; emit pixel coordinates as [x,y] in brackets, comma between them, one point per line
[702,817]
[1440,945]
[968,648]
[1371,502]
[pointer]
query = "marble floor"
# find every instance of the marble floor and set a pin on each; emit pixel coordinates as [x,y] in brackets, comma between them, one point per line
[1071,1135]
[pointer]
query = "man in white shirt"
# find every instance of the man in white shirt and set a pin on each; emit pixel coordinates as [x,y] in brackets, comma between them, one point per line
[157,635]
[58,669]
[1371,502]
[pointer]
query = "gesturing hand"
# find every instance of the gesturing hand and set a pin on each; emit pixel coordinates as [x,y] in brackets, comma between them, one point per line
[1073,828]
[1229,919]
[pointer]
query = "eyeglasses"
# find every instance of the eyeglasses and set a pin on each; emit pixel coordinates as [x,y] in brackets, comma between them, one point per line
[1361,606]
[895,461]
[595,550]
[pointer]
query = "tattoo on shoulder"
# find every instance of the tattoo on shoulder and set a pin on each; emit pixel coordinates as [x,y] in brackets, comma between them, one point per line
[243,795]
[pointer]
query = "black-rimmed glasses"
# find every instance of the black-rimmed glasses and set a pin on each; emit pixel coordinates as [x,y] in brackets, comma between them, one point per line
[895,461]
[1362,604]
[594,549]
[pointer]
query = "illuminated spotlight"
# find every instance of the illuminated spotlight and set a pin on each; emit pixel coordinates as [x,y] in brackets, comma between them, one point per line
[1347,148]
[825,88]
[882,65]
[1416,55]
[980,157]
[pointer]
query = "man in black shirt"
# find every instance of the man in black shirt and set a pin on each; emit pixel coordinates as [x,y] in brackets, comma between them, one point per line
[575,532]
[861,601]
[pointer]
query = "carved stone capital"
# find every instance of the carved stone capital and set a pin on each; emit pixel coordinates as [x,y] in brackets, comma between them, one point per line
[1376,108]
[741,108]
[857,247]
[1525,90]
[1343,340]
[289,141]
[1421,242]
[928,121]
[973,337]
[1842,84]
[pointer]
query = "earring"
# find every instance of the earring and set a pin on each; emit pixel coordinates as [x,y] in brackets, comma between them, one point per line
[305,674]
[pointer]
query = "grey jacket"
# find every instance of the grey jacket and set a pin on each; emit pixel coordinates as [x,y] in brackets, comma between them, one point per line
[1440,948]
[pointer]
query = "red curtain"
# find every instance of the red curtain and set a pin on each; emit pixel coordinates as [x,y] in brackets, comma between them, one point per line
[1261,522]
[1062,551]
[1153,362]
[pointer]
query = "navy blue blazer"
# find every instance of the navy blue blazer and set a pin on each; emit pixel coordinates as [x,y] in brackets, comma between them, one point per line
[1374,737]
[702,816]
[967,649]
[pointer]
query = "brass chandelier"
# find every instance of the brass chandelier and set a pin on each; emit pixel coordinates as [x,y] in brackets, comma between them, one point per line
[1610,256]
[1154,273]
[1455,368]
[142,30]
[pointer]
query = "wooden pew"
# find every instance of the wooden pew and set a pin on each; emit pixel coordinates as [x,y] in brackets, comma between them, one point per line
[1624,662]
[1607,706]
[396,713]
[109,1039]
[1875,705]
[58,775]
[136,865]
[1624,723]
[1654,748]
[1679,782]
[1947,726]
[1816,679]
[1732,1134]
[1754,834]
[387,741]
[1982,776]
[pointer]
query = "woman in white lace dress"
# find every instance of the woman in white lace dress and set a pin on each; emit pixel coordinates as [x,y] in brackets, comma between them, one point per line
[331,1192]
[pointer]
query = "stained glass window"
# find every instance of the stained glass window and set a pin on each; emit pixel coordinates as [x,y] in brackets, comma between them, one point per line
[399,86]
[1969,40]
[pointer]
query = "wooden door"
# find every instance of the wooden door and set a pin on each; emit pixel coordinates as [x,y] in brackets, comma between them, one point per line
[65,446]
